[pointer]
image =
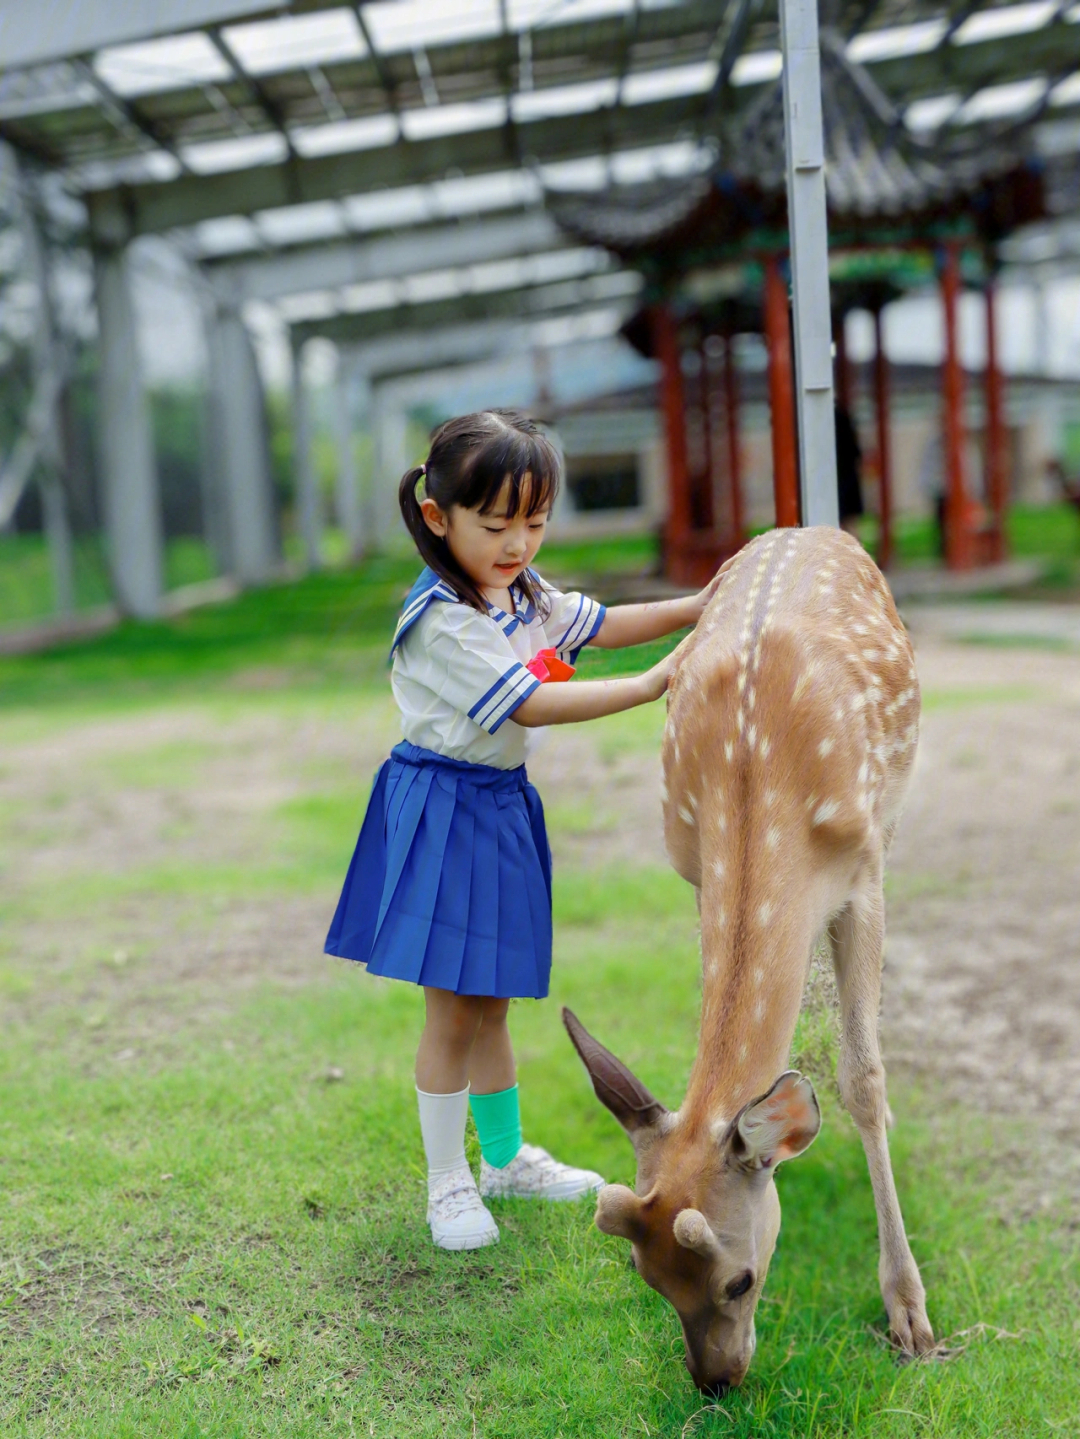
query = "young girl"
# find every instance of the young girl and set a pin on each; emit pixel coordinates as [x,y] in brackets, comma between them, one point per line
[450,884]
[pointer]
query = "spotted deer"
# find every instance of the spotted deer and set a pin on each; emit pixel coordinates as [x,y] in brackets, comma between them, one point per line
[792,724]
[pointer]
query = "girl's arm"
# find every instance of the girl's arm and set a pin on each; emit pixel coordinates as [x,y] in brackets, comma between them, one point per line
[634,624]
[589,699]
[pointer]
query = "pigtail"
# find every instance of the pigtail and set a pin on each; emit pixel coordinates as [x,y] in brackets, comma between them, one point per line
[434,551]
[409,504]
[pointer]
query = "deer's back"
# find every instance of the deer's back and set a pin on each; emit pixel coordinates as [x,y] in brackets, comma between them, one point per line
[793,712]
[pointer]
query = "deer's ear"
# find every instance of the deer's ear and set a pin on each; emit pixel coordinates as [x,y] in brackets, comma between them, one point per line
[778,1125]
[618,1211]
[616,1087]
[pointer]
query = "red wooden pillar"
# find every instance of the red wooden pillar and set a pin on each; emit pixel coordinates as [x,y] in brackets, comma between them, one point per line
[672,403]
[734,449]
[781,395]
[958,538]
[884,445]
[706,499]
[997,471]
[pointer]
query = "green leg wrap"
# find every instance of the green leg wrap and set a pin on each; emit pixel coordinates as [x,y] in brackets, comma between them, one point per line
[498,1123]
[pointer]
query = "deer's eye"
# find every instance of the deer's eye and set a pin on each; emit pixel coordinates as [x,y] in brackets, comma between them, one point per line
[740,1286]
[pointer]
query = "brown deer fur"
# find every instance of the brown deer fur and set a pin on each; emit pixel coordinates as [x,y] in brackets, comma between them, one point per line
[790,739]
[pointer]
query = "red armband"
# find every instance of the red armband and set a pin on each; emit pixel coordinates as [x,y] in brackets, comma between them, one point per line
[547,666]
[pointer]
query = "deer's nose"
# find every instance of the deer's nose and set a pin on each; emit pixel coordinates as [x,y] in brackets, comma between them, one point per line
[714,1388]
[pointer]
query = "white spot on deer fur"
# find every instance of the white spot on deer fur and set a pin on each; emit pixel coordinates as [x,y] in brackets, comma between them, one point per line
[751,736]
[765,912]
[744,1050]
[770,798]
[741,682]
[772,836]
[825,811]
[870,655]
[751,699]
[729,749]
[765,745]
[826,747]
[858,702]
[864,770]
[758,975]
[740,720]
[759,1010]
[675,749]
[718,868]
[685,815]
[691,800]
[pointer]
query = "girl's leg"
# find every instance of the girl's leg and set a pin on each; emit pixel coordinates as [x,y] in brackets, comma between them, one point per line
[491,1064]
[452,1024]
[456,1214]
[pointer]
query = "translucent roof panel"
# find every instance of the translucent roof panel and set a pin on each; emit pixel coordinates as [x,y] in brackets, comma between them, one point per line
[435,120]
[649,85]
[296,40]
[171,64]
[300,224]
[931,112]
[219,155]
[757,67]
[998,24]
[996,102]
[897,41]
[564,99]
[370,132]
[406,24]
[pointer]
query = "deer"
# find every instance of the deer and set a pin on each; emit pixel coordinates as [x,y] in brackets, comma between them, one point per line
[789,743]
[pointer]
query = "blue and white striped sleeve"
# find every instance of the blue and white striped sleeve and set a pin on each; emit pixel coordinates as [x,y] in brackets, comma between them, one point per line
[471,666]
[574,620]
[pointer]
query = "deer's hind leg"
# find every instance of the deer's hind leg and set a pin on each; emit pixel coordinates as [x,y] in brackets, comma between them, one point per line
[857,935]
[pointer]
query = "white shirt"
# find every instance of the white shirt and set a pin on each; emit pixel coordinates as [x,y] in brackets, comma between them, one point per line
[458,675]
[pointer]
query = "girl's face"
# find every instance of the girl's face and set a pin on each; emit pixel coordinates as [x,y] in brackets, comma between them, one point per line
[492,549]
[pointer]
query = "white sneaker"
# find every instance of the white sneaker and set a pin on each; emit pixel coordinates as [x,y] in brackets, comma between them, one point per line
[533,1174]
[457,1215]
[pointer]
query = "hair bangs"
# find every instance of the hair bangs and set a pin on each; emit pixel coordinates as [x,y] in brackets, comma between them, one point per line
[518,473]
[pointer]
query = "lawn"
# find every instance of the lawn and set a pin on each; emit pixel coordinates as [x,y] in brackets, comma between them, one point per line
[210,1194]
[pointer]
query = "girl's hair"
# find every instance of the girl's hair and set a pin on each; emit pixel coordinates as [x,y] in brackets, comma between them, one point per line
[470,460]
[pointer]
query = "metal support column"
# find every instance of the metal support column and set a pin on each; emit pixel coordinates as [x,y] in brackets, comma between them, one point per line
[958,546]
[244,492]
[309,516]
[781,402]
[808,229]
[391,462]
[350,514]
[49,379]
[997,440]
[884,446]
[132,503]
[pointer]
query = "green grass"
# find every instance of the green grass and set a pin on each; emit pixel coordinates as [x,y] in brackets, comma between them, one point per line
[205,1234]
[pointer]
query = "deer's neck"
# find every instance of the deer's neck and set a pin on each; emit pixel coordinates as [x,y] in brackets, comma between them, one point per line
[754,969]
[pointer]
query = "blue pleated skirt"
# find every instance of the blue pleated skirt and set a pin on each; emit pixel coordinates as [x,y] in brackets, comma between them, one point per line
[450,882]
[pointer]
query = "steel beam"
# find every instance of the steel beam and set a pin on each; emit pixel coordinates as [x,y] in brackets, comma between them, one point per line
[516,304]
[338,263]
[128,467]
[154,206]
[808,228]
[33,32]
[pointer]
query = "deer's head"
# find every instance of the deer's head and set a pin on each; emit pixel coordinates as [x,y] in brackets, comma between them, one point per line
[704,1214]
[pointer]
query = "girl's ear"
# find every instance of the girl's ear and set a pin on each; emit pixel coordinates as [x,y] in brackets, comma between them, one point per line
[434,518]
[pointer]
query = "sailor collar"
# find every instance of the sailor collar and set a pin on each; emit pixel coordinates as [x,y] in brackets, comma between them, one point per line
[429,588]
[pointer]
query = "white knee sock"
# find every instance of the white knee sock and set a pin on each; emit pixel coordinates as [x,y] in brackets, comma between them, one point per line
[442,1125]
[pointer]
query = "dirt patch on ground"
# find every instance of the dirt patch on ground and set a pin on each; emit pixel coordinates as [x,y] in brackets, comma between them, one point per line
[982,1000]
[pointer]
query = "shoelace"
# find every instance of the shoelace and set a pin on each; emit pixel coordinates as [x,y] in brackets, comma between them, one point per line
[455,1195]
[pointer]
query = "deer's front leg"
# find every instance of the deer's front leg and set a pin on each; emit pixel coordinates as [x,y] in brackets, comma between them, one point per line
[857,937]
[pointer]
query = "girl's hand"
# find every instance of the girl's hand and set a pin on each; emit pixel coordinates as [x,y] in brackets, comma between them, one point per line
[655,681]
